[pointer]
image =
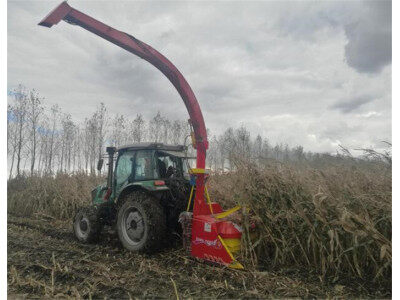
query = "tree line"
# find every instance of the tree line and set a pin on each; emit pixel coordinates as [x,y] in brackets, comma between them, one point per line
[47,141]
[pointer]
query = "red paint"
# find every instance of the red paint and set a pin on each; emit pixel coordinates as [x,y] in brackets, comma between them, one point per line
[107,195]
[228,230]
[216,208]
[206,244]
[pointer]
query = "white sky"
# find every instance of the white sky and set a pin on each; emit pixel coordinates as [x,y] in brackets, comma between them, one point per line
[316,74]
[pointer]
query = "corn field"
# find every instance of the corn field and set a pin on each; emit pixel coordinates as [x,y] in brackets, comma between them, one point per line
[333,222]
[57,196]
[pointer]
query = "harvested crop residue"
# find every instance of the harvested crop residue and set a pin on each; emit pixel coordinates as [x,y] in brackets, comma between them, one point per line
[44,260]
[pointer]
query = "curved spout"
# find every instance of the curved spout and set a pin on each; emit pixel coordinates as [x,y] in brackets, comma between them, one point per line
[144,51]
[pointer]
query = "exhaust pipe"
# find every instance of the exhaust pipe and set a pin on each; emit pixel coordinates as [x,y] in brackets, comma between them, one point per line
[110,151]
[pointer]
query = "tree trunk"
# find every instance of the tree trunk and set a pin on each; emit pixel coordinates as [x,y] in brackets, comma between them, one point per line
[12,165]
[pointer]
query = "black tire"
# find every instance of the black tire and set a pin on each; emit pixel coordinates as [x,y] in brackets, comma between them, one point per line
[87,225]
[141,223]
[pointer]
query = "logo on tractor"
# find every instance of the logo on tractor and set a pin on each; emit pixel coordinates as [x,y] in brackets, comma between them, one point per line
[207,227]
[210,243]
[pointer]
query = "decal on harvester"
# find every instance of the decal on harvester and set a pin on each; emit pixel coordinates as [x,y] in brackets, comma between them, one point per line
[207,227]
[237,227]
[210,243]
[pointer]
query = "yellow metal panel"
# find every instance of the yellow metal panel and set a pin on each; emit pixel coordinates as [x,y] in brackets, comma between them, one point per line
[208,199]
[228,212]
[190,198]
[198,171]
[235,264]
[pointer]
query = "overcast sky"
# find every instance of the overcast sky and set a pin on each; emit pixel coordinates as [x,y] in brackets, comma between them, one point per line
[316,74]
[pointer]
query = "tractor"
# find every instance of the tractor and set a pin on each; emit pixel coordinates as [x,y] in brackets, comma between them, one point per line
[143,196]
[143,201]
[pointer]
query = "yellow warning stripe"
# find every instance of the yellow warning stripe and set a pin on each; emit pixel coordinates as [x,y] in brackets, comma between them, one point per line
[228,212]
[198,171]
[235,264]
[190,198]
[208,200]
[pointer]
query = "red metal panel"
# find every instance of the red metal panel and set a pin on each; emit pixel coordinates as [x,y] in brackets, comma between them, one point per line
[133,45]
[205,242]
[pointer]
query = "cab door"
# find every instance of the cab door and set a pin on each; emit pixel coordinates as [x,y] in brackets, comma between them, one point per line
[124,171]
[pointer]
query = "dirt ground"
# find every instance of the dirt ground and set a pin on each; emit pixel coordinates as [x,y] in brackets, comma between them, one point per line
[45,261]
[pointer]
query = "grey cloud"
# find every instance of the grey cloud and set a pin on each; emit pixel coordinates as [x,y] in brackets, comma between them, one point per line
[369,46]
[304,20]
[352,104]
[366,24]
[276,67]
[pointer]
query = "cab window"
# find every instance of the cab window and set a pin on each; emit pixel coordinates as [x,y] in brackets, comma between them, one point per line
[124,167]
[145,168]
[169,165]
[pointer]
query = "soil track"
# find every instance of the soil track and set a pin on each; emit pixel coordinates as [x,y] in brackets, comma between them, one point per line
[44,260]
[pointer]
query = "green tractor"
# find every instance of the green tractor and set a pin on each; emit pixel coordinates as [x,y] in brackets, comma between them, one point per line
[142,197]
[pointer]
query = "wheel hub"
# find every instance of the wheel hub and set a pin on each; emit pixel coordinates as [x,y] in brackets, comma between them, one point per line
[134,226]
[83,225]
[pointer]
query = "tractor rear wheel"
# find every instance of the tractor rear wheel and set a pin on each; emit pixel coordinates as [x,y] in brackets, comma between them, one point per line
[141,223]
[87,225]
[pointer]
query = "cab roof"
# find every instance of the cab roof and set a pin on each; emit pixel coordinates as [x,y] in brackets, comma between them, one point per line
[152,146]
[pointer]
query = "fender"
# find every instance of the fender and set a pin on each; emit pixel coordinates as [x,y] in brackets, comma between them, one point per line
[144,51]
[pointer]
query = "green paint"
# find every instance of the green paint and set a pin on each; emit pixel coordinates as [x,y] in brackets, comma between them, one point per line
[99,193]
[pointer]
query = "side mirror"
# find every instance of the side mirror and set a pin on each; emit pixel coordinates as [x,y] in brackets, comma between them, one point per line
[100,164]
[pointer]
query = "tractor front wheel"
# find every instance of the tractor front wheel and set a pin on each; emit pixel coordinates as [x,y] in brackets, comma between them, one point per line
[87,225]
[141,223]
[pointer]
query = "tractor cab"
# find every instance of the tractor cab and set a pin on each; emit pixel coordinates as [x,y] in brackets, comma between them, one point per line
[153,167]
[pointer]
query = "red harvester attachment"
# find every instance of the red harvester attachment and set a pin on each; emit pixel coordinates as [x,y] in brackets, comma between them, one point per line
[211,237]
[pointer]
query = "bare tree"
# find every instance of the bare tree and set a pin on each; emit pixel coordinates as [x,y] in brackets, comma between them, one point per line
[12,136]
[176,132]
[40,140]
[67,142]
[101,118]
[118,131]
[35,110]
[55,111]
[155,126]
[138,128]
[20,111]
[242,142]
[44,138]
[90,145]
